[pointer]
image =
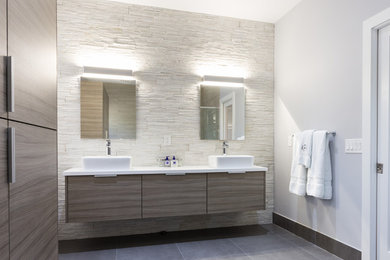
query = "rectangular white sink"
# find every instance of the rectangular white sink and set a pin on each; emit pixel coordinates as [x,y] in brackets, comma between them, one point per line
[107,163]
[231,161]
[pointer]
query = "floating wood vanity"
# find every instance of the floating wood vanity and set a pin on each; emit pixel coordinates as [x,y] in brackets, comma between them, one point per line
[159,192]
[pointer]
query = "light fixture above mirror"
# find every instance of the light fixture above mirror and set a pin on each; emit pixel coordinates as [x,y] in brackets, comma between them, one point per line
[108,74]
[218,81]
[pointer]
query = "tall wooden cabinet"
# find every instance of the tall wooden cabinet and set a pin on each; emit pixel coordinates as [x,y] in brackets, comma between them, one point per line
[33,195]
[3,54]
[4,206]
[32,45]
[28,201]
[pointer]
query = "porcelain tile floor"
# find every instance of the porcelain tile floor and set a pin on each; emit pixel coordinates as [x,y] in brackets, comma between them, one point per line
[276,243]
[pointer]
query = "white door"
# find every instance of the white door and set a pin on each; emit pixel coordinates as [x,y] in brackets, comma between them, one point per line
[383,194]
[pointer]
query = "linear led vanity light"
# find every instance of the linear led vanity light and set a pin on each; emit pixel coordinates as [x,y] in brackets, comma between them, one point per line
[108,73]
[222,81]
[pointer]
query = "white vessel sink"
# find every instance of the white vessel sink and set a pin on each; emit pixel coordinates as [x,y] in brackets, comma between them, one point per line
[231,161]
[107,163]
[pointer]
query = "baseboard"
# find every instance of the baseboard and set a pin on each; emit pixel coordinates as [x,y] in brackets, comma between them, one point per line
[329,244]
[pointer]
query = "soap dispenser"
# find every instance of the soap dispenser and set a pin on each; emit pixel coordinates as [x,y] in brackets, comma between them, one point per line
[174,162]
[167,162]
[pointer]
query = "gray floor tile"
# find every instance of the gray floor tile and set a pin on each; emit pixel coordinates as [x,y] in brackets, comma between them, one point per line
[305,245]
[296,240]
[274,229]
[264,244]
[91,255]
[228,258]
[285,254]
[211,249]
[160,252]
[319,253]
[275,244]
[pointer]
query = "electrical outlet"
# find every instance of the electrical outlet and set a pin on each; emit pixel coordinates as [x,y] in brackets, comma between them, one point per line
[353,145]
[167,140]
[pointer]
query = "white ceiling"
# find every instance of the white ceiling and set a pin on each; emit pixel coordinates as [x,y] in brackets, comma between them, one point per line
[258,10]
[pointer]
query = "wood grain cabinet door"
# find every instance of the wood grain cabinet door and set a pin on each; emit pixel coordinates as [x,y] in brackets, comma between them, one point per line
[91,199]
[3,54]
[165,196]
[32,45]
[4,232]
[235,192]
[33,196]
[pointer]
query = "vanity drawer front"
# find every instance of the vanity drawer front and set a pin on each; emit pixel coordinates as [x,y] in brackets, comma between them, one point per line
[164,195]
[92,199]
[235,192]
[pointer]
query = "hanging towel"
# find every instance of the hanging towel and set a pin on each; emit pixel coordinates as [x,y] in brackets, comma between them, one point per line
[305,142]
[319,176]
[298,171]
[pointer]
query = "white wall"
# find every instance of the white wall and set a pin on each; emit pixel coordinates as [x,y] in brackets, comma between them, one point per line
[318,67]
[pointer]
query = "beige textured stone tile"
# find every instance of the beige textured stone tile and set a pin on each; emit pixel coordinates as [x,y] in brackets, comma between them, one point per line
[169,51]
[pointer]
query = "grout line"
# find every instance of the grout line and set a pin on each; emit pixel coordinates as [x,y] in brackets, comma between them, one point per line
[319,248]
[302,247]
[242,250]
[179,251]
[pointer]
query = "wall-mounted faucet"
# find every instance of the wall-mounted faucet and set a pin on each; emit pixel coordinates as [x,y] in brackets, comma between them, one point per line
[108,147]
[224,146]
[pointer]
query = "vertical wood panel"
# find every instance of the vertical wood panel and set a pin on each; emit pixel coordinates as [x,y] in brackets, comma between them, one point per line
[164,196]
[4,232]
[3,53]
[91,109]
[32,42]
[33,197]
[235,192]
[92,199]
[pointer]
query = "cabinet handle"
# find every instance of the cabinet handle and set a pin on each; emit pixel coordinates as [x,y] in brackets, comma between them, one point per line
[175,173]
[108,175]
[236,172]
[11,155]
[10,85]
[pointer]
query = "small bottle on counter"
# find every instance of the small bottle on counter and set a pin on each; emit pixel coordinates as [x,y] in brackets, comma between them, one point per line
[174,162]
[167,162]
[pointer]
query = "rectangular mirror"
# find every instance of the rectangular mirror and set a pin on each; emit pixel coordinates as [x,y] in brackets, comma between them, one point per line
[108,109]
[222,113]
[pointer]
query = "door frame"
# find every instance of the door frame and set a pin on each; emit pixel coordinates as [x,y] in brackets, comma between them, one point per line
[226,99]
[369,129]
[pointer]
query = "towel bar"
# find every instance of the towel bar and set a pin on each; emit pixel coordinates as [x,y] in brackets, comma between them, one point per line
[329,133]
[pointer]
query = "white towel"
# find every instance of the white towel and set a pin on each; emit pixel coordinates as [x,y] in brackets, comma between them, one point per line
[298,171]
[305,142]
[319,176]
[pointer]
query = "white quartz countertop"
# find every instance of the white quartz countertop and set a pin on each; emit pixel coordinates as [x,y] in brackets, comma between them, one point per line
[162,170]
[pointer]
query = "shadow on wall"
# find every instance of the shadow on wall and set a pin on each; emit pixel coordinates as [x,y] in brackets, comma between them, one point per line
[306,210]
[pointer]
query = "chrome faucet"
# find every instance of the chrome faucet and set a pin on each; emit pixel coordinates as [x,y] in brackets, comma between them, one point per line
[108,147]
[224,146]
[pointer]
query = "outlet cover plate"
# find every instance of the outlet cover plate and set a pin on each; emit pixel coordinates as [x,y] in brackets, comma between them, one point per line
[167,140]
[353,145]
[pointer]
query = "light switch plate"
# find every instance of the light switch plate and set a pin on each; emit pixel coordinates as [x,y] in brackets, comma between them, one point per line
[353,145]
[167,140]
